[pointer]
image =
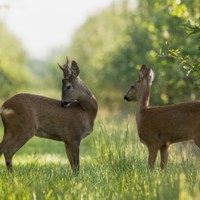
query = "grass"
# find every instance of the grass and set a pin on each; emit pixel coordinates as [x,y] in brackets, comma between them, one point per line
[113,166]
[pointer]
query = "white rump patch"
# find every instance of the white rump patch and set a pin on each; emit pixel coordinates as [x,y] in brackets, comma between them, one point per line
[6,111]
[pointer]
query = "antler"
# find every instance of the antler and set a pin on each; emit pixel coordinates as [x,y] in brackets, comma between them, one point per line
[66,70]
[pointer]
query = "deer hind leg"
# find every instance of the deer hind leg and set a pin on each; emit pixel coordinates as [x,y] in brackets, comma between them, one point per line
[4,148]
[2,145]
[4,140]
[153,150]
[164,154]
[11,148]
[11,144]
[72,150]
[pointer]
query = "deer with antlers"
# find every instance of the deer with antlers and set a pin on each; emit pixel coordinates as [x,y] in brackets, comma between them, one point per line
[69,121]
[159,127]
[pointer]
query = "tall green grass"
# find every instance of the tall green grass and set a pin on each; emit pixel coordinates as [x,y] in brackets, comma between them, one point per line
[113,166]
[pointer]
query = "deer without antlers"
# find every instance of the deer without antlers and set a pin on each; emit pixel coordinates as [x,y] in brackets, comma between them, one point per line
[159,127]
[26,115]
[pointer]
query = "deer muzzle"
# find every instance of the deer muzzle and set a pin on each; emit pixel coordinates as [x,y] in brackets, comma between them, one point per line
[126,98]
[65,103]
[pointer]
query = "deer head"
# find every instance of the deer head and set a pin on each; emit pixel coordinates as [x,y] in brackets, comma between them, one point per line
[71,84]
[146,76]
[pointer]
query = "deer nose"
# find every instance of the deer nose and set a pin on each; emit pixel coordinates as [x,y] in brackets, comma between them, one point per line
[126,98]
[65,103]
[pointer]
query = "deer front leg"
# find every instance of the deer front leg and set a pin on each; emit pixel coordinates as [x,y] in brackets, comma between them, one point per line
[72,150]
[164,153]
[153,150]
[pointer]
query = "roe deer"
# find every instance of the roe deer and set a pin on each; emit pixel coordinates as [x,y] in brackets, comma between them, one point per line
[159,127]
[26,115]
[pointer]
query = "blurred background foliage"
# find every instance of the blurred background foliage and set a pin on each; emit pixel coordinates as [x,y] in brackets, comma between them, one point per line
[110,47]
[13,65]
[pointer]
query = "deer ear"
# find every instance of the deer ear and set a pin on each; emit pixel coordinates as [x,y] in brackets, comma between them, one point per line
[143,72]
[75,69]
[151,75]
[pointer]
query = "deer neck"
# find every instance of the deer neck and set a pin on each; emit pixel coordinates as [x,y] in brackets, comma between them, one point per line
[143,98]
[143,102]
[89,104]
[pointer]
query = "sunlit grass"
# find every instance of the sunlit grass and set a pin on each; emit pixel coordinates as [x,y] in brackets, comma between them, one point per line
[113,166]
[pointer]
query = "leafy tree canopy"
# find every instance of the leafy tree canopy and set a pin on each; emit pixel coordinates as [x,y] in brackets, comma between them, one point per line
[112,45]
[13,76]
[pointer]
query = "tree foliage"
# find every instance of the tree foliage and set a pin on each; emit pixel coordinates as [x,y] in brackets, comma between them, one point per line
[112,45]
[189,62]
[13,76]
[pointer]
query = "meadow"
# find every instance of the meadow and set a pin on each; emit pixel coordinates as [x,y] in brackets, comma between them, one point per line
[113,166]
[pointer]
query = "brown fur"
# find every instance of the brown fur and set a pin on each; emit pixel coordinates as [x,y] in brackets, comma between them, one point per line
[158,127]
[26,115]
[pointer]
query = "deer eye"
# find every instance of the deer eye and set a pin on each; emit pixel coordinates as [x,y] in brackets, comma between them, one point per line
[132,87]
[68,87]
